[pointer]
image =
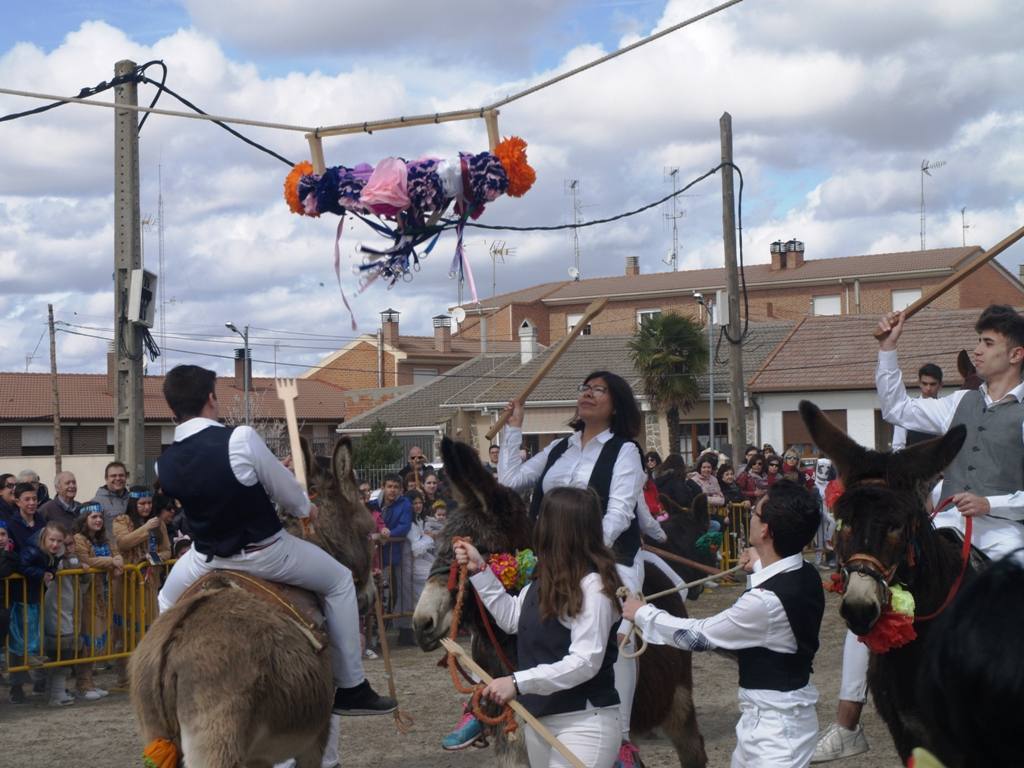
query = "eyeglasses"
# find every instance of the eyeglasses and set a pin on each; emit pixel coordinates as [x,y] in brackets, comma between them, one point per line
[417,458]
[774,464]
[593,390]
[10,485]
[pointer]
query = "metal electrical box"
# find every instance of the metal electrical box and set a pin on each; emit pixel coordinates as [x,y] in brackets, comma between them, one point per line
[142,297]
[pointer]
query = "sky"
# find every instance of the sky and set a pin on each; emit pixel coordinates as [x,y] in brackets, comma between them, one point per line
[834,108]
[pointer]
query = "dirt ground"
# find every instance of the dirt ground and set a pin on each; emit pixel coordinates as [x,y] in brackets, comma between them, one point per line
[103,734]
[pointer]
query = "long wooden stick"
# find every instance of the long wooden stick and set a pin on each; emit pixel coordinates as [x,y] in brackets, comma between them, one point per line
[592,311]
[403,720]
[962,274]
[684,561]
[452,647]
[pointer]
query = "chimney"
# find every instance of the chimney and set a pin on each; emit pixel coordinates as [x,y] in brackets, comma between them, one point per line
[527,342]
[794,254]
[111,370]
[778,261]
[240,369]
[443,333]
[389,325]
[632,266]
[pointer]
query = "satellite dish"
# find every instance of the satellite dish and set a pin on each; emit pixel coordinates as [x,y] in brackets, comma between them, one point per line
[574,273]
[459,314]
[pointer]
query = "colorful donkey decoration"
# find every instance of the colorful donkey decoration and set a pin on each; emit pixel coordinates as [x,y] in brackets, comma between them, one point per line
[408,199]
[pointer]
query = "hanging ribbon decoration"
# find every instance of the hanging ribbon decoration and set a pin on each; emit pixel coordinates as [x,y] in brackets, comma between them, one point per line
[407,199]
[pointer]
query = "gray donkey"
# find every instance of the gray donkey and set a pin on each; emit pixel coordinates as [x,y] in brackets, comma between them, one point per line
[495,518]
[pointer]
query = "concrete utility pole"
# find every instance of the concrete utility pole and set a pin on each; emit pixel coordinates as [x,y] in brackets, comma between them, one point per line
[738,411]
[58,455]
[129,420]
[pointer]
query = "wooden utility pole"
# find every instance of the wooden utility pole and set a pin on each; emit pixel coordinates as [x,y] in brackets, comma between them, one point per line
[57,444]
[128,415]
[738,411]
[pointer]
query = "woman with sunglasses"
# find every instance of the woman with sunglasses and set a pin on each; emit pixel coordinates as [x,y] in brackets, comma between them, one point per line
[601,453]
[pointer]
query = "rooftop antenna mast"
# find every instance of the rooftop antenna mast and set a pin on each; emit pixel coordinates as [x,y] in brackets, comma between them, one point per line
[161,283]
[672,258]
[926,166]
[498,253]
[963,223]
[574,189]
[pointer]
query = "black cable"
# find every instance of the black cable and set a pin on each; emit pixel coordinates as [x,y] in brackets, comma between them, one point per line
[743,274]
[162,87]
[82,94]
[141,71]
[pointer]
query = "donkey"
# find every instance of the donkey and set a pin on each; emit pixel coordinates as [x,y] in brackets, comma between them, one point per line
[495,518]
[884,537]
[233,682]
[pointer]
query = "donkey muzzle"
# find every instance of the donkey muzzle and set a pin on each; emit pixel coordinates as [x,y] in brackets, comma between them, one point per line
[862,603]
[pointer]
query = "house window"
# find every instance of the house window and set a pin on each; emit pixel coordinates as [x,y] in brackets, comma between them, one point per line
[693,437]
[423,375]
[903,298]
[643,315]
[826,305]
[570,323]
[37,441]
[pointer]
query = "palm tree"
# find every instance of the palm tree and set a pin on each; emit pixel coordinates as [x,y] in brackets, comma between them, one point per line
[669,352]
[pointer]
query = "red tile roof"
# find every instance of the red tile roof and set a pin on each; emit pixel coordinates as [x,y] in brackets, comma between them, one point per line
[86,397]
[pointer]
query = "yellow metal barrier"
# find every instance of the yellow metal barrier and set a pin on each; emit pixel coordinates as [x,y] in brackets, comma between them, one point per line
[735,521]
[109,616]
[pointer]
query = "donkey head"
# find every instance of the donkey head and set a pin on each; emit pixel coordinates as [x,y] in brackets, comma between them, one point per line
[492,516]
[882,519]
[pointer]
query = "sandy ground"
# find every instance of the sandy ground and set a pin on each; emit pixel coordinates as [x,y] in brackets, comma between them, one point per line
[34,735]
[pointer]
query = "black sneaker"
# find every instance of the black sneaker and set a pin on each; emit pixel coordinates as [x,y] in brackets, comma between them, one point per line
[362,700]
[17,695]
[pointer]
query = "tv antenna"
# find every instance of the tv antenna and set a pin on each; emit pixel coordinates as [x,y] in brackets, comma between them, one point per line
[574,189]
[672,257]
[499,250]
[926,166]
[161,283]
[963,223]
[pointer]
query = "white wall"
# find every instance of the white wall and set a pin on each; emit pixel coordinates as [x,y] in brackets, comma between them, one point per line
[88,470]
[859,406]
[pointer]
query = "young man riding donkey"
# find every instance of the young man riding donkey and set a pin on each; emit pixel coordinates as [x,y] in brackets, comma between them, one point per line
[983,481]
[228,482]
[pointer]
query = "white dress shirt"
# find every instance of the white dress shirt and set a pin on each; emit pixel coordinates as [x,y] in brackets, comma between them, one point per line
[756,620]
[935,415]
[252,462]
[589,632]
[573,469]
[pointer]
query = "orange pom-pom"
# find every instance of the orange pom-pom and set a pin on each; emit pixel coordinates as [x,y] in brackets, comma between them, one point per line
[160,753]
[291,186]
[892,630]
[512,154]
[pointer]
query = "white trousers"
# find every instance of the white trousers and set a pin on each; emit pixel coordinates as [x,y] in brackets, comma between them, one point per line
[292,561]
[854,686]
[590,734]
[767,737]
[626,669]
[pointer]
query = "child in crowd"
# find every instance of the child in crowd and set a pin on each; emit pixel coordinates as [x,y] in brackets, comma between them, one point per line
[773,628]
[7,567]
[565,620]
[96,551]
[61,608]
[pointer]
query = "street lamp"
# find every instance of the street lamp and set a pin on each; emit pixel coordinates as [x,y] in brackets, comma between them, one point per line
[245,364]
[708,303]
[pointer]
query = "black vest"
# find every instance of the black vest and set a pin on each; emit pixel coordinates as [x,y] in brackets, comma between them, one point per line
[223,515]
[803,599]
[547,641]
[628,543]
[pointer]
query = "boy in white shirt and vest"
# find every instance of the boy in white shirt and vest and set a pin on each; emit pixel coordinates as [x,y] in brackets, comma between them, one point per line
[773,628]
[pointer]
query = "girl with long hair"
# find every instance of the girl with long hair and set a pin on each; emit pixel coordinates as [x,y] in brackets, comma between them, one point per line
[141,537]
[565,620]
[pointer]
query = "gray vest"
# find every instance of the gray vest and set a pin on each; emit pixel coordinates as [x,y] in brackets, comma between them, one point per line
[991,462]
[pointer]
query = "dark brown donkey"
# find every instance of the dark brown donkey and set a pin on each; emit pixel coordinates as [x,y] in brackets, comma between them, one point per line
[885,537]
[495,518]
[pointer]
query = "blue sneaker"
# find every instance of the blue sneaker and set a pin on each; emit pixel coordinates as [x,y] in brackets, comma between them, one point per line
[466,732]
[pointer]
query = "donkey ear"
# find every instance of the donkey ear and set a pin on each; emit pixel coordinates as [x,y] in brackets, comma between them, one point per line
[308,459]
[964,364]
[833,442]
[341,461]
[925,460]
[467,474]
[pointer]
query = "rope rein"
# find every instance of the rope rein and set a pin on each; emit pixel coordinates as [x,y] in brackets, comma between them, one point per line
[506,717]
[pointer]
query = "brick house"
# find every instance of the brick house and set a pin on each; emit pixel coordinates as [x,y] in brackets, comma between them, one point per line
[390,359]
[87,424]
[831,362]
[786,289]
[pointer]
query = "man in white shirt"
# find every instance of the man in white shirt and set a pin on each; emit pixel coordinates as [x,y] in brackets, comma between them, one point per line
[773,627]
[929,381]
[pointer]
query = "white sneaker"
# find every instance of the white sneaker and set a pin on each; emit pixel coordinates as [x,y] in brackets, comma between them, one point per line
[837,742]
[101,692]
[93,695]
[370,654]
[61,701]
